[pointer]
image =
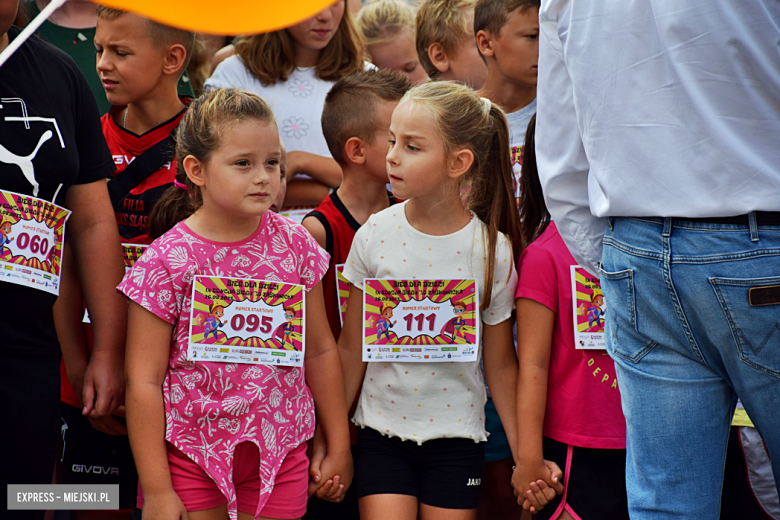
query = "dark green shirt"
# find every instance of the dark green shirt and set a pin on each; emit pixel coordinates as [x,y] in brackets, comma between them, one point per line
[79,44]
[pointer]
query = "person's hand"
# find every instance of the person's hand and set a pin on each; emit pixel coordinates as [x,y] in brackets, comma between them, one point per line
[164,506]
[536,484]
[317,450]
[331,474]
[104,384]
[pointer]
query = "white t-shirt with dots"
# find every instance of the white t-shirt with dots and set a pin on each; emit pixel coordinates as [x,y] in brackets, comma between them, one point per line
[423,401]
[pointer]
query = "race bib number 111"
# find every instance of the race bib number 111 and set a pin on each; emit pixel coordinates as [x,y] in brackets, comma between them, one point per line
[247,321]
[420,320]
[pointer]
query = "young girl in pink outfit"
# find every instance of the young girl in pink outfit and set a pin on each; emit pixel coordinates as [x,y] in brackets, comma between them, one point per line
[214,440]
[568,402]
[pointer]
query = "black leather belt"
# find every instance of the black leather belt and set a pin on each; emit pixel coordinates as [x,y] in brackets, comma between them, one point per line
[763,218]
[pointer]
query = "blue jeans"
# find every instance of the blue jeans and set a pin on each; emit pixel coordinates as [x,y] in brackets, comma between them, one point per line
[686,342]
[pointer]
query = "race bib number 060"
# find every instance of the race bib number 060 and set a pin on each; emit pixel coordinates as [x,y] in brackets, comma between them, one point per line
[247,321]
[32,232]
[420,320]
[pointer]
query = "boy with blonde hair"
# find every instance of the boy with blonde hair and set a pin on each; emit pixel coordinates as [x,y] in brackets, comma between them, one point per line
[445,42]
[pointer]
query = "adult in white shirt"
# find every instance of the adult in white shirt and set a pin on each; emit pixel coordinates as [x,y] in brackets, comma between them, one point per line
[293,70]
[658,139]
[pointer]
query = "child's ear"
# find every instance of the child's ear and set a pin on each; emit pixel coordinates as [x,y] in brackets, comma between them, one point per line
[485,43]
[354,151]
[461,163]
[195,171]
[438,57]
[175,56]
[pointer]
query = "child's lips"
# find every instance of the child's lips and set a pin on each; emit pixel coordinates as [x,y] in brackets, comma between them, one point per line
[109,84]
[393,178]
[260,195]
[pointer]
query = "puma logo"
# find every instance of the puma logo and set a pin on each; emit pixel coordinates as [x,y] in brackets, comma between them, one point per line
[24,162]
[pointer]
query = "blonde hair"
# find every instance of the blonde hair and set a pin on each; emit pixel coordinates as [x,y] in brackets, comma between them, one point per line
[380,20]
[270,57]
[199,135]
[464,120]
[445,22]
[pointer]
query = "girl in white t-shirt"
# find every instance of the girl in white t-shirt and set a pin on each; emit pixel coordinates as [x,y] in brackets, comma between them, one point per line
[421,446]
[293,70]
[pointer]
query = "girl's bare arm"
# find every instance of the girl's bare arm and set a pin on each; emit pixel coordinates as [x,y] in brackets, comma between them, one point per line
[148,350]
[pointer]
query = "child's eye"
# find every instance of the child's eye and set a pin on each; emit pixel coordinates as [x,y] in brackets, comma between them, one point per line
[273,162]
[121,54]
[242,162]
[532,36]
[391,141]
[412,148]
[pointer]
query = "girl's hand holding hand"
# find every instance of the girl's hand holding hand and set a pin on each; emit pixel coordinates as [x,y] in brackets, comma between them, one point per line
[331,474]
[164,506]
[536,484]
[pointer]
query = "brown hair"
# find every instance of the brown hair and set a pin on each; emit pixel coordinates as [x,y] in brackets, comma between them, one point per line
[444,22]
[380,20]
[161,35]
[350,106]
[492,15]
[290,309]
[270,57]
[198,135]
[464,120]
[533,210]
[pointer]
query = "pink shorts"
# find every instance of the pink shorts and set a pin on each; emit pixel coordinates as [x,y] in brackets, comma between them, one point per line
[198,491]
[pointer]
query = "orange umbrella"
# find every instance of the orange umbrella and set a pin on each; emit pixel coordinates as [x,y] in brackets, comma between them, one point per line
[236,17]
[206,16]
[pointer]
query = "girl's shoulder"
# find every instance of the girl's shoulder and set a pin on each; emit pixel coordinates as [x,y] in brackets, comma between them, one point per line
[282,231]
[169,249]
[391,217]
[231,72]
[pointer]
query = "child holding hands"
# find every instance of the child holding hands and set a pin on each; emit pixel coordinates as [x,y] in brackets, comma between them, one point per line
[216,440]
[423,423]
[568,402]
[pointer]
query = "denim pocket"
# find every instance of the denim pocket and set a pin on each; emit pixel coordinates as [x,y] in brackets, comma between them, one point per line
[756,330]
[622,326]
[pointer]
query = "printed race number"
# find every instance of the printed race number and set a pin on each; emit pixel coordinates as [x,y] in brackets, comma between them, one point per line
[32,232]
[420,320]
[236,320]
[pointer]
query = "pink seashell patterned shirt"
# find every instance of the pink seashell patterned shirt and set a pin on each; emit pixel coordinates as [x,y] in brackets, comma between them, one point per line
[212,407]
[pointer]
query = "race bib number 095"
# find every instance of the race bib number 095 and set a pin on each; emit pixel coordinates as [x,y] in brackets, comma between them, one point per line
[32,232]
[420,320]
[247,321]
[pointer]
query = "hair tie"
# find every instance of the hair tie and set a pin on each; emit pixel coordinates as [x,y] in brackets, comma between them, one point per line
[180,185]
[487,103]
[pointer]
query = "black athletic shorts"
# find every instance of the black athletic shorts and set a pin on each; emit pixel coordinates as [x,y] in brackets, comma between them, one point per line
[594,482]
[444,473]
[92,457]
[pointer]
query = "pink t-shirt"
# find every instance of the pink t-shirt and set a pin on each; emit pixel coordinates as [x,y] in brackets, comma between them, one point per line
[583,400]
[212,407]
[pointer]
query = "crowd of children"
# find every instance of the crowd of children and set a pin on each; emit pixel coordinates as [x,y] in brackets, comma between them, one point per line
[403,138]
